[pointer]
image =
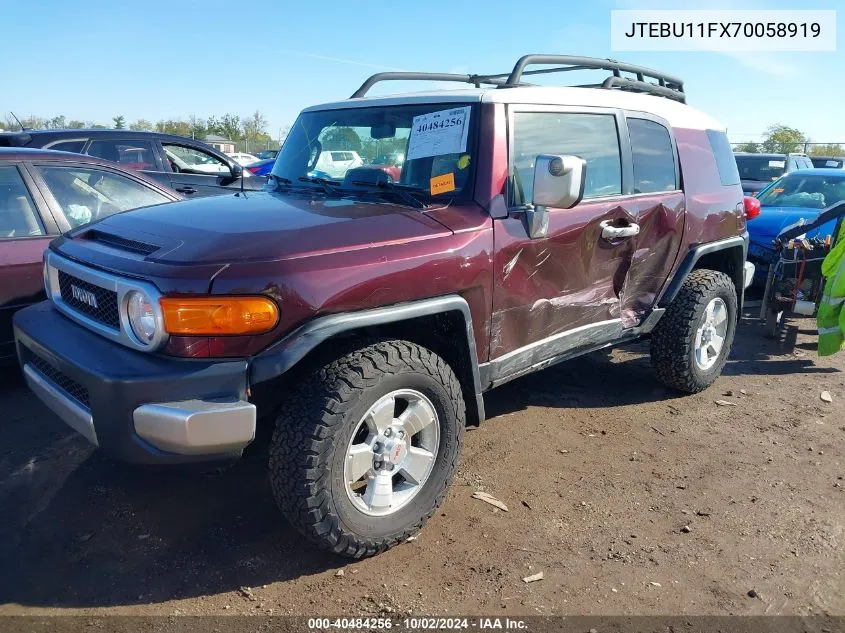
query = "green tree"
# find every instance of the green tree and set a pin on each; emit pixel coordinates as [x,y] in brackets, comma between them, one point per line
[173,126]
[783,139]
[35,122]
[212,125]
[73,124]
[748,146]
[119,122]
[342,138]
[141,125]
[255,127]
[197,127]
[57,122]
[230,127]
[255,132]
[828,149]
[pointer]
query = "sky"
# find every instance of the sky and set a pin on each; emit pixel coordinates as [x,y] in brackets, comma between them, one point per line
[94,59]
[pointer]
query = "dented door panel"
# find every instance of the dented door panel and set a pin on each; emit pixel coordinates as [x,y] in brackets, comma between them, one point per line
[572,278]
[661,220]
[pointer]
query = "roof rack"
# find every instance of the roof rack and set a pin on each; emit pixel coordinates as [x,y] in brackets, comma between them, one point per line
[666,85]
[476,80]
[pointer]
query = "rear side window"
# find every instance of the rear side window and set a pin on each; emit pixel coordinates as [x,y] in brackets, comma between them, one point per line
[725,159]
[133,154]
[653,156]
[592,137]
[17,211]
[69,146]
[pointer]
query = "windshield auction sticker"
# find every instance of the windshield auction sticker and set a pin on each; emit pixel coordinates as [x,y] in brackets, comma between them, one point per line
[723,30]
[439,133]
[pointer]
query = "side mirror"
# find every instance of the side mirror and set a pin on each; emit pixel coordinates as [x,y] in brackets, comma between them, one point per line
[237,170]
[558,181]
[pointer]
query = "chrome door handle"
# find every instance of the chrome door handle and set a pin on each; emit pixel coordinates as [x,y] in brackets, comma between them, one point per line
[610,232]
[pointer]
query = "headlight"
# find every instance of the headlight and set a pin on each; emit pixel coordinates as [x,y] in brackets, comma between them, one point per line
[142,316]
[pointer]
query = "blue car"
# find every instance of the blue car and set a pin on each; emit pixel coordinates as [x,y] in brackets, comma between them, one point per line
[262,167]
[797,196]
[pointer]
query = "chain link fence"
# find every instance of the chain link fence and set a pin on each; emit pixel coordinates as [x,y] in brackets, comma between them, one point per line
[832,148]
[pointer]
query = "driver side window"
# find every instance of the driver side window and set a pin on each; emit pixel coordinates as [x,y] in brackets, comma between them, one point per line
[191,160]
[85,194]
[593,137]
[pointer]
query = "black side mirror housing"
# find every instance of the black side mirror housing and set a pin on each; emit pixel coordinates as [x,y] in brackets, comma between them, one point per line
[237,170]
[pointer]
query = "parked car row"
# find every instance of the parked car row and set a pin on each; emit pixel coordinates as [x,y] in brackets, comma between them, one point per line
[43,194]
[190,167]
[790,188]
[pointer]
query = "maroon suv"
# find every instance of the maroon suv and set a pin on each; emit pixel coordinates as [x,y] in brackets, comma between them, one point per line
[364,318]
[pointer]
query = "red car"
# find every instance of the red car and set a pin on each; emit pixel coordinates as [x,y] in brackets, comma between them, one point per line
[391,164]
[44,193]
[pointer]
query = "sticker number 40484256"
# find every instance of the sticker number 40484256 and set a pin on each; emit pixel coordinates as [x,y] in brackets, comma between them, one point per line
[439,133]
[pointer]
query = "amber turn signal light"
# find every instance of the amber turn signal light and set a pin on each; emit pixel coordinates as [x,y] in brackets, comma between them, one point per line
[209,316]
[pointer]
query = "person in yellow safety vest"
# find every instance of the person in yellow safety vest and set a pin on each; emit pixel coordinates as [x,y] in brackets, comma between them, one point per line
[831,316]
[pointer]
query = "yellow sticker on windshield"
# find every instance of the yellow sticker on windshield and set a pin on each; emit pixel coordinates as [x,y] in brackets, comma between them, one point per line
[443,184]
[463,161]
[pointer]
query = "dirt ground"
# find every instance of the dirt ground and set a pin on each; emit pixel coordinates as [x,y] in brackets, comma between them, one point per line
[629,498]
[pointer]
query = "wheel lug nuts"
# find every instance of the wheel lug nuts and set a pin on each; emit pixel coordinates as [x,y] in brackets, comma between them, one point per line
[401,433]
[378,465]
[388,432]
[377,447]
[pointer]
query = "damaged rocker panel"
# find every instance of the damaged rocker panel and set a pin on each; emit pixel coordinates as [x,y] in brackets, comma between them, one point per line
[561,347]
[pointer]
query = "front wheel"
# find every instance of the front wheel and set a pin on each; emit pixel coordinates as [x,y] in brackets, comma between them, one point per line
[368,446]
[691,343]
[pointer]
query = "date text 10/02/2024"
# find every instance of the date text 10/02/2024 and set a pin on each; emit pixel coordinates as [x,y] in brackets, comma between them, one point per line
[417,624]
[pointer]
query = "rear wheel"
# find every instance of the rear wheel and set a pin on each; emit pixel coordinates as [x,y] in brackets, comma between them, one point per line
[365,451]
[691,343]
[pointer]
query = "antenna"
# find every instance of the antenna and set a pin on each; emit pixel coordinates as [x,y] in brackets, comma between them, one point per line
[23,129]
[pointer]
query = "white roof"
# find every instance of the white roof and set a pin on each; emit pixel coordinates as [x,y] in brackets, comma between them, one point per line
[675,113]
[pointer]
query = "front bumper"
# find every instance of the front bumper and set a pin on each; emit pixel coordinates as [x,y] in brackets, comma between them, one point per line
[136,406]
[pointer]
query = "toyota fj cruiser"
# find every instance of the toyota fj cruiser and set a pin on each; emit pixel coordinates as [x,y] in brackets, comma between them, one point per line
[363,318]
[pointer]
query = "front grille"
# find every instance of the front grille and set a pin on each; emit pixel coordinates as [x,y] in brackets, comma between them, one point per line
[122,243]
[104,308]
[65,383]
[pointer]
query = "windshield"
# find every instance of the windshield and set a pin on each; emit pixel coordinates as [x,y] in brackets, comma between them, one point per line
[421,149]
[809,191]
[760,168]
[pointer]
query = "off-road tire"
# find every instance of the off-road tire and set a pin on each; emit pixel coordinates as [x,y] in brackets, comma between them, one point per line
[673,339]
[312,433]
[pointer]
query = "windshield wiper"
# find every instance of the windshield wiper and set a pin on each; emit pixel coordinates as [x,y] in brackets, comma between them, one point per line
[324,183]
[385,186]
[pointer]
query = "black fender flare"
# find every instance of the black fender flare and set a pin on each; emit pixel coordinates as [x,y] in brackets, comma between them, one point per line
[695,254]
[292,348]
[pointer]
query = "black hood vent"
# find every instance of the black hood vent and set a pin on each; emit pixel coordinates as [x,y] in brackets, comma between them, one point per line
[121,243]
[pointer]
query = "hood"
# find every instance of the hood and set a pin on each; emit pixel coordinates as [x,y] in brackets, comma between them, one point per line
[763,229]
[261,226]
